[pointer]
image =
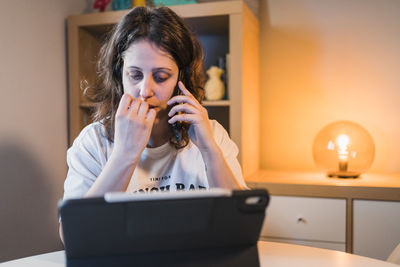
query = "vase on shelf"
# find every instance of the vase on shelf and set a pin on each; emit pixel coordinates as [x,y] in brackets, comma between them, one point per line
[214,87]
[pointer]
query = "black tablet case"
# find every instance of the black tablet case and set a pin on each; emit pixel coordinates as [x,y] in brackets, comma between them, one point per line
[212,231]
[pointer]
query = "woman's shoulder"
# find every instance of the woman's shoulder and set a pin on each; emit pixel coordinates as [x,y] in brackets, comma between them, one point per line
[92,133]
[223,139]
[218,130]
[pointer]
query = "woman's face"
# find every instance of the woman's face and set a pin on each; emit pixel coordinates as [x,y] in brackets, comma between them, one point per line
[150,74]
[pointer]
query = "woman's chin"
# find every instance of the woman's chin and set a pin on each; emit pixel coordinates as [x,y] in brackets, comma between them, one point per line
[160,120]
[161,115]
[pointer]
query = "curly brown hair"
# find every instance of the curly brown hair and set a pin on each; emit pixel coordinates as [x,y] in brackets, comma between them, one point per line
[162,27]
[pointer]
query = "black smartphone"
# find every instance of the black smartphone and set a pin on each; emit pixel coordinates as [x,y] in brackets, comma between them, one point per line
[177,125]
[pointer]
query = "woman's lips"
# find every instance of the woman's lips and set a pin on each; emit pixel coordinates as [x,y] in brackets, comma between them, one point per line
[156,108]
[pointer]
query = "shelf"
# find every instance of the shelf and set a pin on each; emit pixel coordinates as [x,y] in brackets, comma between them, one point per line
[87,105]
[376,186]
[218,103]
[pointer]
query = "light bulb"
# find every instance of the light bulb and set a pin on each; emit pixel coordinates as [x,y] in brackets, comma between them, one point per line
[343,154]
[344,149]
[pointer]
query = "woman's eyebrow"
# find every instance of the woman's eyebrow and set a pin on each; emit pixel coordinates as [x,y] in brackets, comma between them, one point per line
[161,68]
[153,69]
[134,67]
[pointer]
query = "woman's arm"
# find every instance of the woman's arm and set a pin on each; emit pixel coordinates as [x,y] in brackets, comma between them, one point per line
[188,109]
[114,177]
[218,171]
[133,125]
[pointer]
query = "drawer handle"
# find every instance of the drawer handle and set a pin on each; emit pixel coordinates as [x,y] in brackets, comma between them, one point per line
[301,220]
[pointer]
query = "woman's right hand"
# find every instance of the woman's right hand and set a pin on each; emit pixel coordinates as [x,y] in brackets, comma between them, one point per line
[133,124]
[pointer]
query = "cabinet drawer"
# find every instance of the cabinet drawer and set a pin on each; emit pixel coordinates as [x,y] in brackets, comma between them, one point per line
[305,218]
[376,228]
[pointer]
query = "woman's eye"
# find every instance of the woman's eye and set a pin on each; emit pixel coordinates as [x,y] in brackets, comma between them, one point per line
[159,78]
[136,76]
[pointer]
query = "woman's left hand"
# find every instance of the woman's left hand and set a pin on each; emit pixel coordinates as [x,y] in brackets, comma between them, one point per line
[188,109]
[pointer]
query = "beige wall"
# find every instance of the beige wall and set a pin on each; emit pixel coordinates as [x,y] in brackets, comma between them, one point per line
[328,60]
[33,123]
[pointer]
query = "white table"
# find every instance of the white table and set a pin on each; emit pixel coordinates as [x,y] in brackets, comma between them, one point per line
[270,253]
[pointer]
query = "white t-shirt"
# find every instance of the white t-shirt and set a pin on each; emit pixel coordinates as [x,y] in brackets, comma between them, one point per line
[162,168]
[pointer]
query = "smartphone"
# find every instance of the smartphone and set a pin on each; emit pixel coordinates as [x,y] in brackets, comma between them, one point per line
[177,125]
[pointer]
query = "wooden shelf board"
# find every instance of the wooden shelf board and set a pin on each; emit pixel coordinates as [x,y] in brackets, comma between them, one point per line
[87,105]
[319,178]
[216,103]
[377,186]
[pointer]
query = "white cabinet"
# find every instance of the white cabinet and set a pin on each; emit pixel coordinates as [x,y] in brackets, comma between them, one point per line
[370,206]
[318,222]
[376,227]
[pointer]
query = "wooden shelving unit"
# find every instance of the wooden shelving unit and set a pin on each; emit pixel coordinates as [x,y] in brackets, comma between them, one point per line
[227,27]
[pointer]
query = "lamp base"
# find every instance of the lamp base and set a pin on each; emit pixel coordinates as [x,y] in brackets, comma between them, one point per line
[344,174]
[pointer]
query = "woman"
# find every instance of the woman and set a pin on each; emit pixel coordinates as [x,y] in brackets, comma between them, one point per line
[150,132]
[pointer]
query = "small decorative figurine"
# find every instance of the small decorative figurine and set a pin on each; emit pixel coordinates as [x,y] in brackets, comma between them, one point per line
[121,4]
[214,88]
[101,4]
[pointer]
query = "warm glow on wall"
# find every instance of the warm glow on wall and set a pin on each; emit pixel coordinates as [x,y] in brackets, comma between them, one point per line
[322,61]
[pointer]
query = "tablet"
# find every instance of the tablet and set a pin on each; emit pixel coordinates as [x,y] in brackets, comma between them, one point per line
[185,228]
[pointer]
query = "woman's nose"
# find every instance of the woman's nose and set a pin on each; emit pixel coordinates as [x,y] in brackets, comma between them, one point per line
[146,88]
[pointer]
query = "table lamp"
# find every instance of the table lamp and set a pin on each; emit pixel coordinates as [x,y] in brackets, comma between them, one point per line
[344,149]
